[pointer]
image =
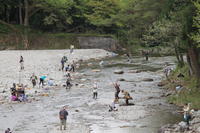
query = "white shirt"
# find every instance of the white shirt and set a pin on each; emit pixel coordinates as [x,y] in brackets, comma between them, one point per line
[95,87]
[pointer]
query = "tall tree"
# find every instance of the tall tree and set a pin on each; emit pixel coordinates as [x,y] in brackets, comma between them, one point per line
[194,42]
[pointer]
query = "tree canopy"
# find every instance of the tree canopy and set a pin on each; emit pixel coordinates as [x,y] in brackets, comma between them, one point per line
[147,23]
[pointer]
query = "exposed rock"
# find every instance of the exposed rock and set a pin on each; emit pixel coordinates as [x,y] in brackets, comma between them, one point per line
[76,110]
[121,79]
[89,64]
[161,84]
[96,70]
[182,126]
[167,94]
[132,90]
[148,79]
[118,71]
[198,130]
[135,71]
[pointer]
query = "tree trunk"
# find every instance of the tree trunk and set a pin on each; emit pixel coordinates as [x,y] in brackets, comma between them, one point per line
[20,14]
[194,60]
[26,17]
[189,63]
[7,14]
[177,54]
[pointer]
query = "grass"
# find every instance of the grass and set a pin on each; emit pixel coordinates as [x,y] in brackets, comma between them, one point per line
[190,92]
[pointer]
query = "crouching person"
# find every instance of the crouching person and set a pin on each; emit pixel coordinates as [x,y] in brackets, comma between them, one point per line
[63,118]
[113,107]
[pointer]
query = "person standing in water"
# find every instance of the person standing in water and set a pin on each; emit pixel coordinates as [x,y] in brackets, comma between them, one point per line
[68,83]
[73,66]
[116,85]
[186,115]
[33,79]
[95,93]
[42,78]
[21,61]
[63,118]
[71,49]
[63,61]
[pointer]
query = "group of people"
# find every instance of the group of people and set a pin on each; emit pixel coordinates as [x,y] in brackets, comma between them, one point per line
[34,79]
[18,93]
[69,67]
[126,94]
[126,97]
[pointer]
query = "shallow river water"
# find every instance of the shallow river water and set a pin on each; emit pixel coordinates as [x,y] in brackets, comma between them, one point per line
[88,115]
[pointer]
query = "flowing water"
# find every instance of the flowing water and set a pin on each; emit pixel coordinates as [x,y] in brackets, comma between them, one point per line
[88,115]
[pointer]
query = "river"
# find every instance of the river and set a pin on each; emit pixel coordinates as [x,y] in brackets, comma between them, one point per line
[150,111]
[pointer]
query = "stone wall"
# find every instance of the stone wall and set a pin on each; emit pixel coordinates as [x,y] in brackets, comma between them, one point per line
[98,42]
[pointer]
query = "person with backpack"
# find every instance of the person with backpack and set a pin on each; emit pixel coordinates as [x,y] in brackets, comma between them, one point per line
[63,117]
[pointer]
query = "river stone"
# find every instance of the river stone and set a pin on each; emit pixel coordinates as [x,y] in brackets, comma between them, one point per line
[198,130]
[121,79]
[118,71]
[89,64]
[183,126]
[135,71]
[161,84]
[147,79]
[76,110]
[96,70]
[132,90]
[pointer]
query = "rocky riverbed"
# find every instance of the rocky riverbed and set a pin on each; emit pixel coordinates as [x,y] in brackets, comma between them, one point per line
[149,112]
[181,127]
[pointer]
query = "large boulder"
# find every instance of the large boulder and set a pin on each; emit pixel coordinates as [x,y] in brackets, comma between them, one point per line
[121,79]
[119,71]
[198,130]
[148,79]
[161,84]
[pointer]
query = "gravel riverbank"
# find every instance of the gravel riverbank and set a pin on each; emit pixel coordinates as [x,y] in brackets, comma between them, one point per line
[181,127]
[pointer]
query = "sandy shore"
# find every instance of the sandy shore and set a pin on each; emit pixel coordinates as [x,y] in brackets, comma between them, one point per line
[40,62]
